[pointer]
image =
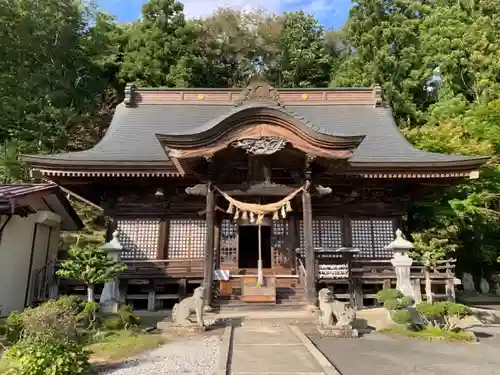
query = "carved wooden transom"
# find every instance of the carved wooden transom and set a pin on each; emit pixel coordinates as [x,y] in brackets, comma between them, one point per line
[265,145]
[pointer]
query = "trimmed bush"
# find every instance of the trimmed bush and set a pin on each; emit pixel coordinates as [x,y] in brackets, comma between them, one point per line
[443,315]
[73,303]
[49,355]
[14,327]
[388,294]
[113,323]
[392,304]
[52,317]
[89,316]
[402,317]
[406,301]
[128,316]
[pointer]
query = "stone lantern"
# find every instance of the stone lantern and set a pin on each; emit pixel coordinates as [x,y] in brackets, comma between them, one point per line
[402,263]
[110,296]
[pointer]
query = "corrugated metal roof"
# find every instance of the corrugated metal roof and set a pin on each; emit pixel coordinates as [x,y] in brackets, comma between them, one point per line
[12,191]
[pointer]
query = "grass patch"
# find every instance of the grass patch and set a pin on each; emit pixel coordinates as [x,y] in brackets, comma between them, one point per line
[120,345]
[430,333]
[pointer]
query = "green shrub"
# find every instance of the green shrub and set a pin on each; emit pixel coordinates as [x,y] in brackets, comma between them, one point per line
[388,294]
[49,355]
[442,315]
[54,317]
[392,304]
[14,327]
[406,301]
[72,303]
[401,317]
[128,316]
[89,316]
[113,323]
[124,318]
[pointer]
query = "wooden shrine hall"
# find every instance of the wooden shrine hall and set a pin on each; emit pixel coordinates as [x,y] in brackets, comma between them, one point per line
[252,192]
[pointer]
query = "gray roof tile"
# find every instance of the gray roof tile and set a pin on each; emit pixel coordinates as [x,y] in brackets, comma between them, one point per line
[131,135]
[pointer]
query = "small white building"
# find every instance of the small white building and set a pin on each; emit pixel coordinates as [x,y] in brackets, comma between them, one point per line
[32,216]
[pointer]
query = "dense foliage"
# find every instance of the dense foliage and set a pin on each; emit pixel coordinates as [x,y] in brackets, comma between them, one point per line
[52,338]
[442,315]
[64,65]
[91,266]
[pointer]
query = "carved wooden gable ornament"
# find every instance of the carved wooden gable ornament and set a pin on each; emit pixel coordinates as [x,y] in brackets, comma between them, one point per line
[265,145]
[259,90]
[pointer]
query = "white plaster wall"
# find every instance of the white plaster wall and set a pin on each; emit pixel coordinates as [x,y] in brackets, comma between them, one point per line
[15,251]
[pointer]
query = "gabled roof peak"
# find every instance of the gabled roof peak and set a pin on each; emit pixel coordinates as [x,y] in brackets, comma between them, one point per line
[259,90]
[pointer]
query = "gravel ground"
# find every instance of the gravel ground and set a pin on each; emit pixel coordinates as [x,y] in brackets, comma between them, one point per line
[194,356]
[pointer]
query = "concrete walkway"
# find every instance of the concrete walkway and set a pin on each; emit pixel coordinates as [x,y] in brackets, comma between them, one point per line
[263,348]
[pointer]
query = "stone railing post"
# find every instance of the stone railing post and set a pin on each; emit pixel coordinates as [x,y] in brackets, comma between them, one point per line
[402,263]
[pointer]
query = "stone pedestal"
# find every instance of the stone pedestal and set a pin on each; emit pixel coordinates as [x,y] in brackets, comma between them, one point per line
[178,328]
[402,264]
[339,332]
[110,296]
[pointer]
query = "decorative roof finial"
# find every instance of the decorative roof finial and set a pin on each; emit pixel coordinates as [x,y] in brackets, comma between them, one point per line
[377,96]
[259,90]
[129,95]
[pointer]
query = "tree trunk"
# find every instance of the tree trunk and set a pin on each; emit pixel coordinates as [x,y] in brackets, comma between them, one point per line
[428,286]
[90,293]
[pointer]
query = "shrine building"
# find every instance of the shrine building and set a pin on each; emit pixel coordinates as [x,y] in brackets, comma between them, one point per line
[257,194]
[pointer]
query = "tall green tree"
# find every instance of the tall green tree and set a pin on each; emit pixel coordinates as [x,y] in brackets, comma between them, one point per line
[160,47]
[302,58]
[385,43]
[91,266]
[49,75]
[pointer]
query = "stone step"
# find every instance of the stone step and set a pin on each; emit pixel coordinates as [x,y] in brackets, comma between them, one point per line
[259,306]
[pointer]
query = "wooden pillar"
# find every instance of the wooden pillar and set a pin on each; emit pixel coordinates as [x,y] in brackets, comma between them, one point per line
[309,248]
[358,294]
[182,289]
[208,269]
[291,240]
[218,223]
[417,291]
[152,296]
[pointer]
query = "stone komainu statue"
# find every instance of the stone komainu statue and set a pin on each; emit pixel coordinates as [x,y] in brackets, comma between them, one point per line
[189,305]
[333,311]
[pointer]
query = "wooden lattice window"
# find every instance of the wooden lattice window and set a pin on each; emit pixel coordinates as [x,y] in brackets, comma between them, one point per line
[187,239]
[228,242]
[371,236]
[327,233]
[139,237]
[279,232]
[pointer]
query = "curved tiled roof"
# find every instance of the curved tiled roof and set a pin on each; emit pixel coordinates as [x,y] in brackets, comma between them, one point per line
[131,135]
